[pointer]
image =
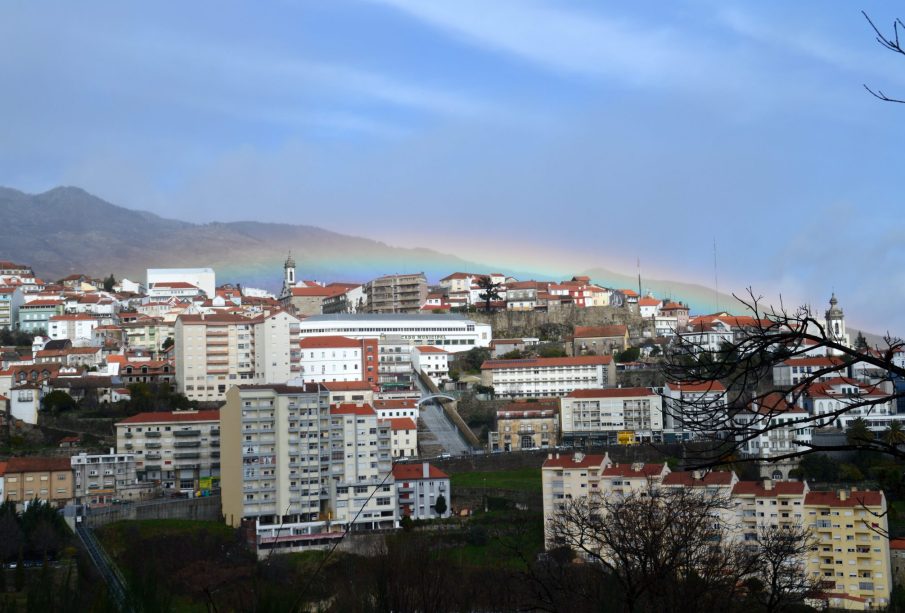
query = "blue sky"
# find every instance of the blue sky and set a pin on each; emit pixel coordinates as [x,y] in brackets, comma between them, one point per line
[527,133]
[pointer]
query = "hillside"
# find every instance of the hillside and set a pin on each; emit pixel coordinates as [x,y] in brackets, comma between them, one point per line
[67,230]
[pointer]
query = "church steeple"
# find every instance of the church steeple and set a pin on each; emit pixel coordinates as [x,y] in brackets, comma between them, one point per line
[289,271]
[835,324]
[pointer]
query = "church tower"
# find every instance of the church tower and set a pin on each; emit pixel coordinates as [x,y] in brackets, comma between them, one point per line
[835,325]
[288,275]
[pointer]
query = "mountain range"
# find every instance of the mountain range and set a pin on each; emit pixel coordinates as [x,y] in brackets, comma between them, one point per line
[67,230]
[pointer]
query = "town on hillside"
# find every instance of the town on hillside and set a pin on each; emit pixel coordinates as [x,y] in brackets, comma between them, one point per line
[334,412]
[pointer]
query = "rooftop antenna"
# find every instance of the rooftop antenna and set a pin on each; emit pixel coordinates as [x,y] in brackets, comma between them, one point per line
[639,277]
[716,282]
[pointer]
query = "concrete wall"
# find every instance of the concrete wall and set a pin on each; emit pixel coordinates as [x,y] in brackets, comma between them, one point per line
[509,324]
[207,508]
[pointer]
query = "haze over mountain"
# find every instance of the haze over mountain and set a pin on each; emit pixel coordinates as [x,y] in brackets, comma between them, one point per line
[67,230]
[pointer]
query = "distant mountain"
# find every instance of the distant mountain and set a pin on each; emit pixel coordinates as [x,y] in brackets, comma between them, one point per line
[67,230]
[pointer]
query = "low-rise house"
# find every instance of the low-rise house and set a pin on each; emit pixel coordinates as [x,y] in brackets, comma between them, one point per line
[34,316]
[418,487]
[25,402]
[431,361]
[598,340]
[526,425]
[47,479]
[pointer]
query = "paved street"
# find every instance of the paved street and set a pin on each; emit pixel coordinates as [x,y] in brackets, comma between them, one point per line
[445,433]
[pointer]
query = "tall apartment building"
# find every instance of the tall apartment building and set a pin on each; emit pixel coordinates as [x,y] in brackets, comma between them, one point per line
[175,451]
[625,415]
[396,293]
[546,377]
[11,298]
[298,472]
[215,352]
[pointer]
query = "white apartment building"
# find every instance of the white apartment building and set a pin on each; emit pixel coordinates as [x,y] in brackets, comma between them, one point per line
[175,451]
[396,407]
[452,332]
[174,289]
[625,415]
[773,426]
[217,351]
[202,278]
[74,327]
[432,361]
[337,358]
[686,404]
[11,298]
[795,370]
[546,377]
[298,471]
[404,441]
[840,401]
[418,487]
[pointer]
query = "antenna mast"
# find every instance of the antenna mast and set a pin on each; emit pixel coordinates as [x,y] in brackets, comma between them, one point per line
[716,283]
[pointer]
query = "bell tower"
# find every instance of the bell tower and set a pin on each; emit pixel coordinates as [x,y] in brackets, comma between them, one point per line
[288,274]
[835,325]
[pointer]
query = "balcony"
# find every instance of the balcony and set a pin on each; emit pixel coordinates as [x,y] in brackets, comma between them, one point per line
[128,435]
[152,434]
[215,431]
[153,445]
[184,444]
[188,455]
[152,467]
[187,433]
[152,456]
[217,333]
[215,443]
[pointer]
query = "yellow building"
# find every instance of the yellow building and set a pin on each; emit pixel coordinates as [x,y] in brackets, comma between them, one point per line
[567,477]
[47,479]
[526,425]
[852,554]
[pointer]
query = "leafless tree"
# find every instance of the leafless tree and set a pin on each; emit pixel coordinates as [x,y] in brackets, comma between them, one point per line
[892,44]
[779,576]
[742,370]
[665,547]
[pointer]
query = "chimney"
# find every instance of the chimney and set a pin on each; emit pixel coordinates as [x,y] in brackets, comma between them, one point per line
[637,466]
[768,484]
[549,456]
[843,495]
[425,470]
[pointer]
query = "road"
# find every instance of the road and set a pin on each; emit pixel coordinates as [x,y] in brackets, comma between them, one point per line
[446,434]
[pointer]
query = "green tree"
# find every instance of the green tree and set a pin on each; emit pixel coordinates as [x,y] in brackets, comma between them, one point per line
[57,401]
[629,355]
[515,354]
[169,342]
[490,291]
[857,433]
[895,434]
[861,343]
[551,350]
[440,504]
[109,282]
[472,359]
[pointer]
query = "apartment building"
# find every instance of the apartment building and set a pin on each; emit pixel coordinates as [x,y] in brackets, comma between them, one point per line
[431,361]
[404,442]
[794,371]
[217,351]
[684,405]
[451,331]
[852,547]
[100,479]
[773,426]
[74,327]
[175,451]
[297,472]
[35,315]
[337,358]
[11,298]
[547,377]
[396,293]
[568,477]
[625,415]
[47,479]
[526,425]
[418,487]
[203,278]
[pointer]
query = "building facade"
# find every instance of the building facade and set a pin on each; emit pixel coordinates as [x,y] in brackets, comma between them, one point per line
[546,377]
[396,293]
[625,415]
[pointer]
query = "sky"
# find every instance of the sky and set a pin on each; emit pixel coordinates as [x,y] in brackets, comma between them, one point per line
[533,134]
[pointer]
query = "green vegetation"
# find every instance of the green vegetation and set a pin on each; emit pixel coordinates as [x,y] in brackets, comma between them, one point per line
[629,355]
[520,479]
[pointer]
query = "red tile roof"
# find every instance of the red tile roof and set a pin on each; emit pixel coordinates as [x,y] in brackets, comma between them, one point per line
[648,302]
[600,331]
[898,543]
[615,392]
[352,409]
[403,423]
[568,461]
[175,416]
[328,342]
[778,488]
[582,360]
[2,468]
[633,470]
[855,498]
[430,349]
[687,478]
[34,464]
[697,387]
[413,472]
[396,403]
[346,386]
